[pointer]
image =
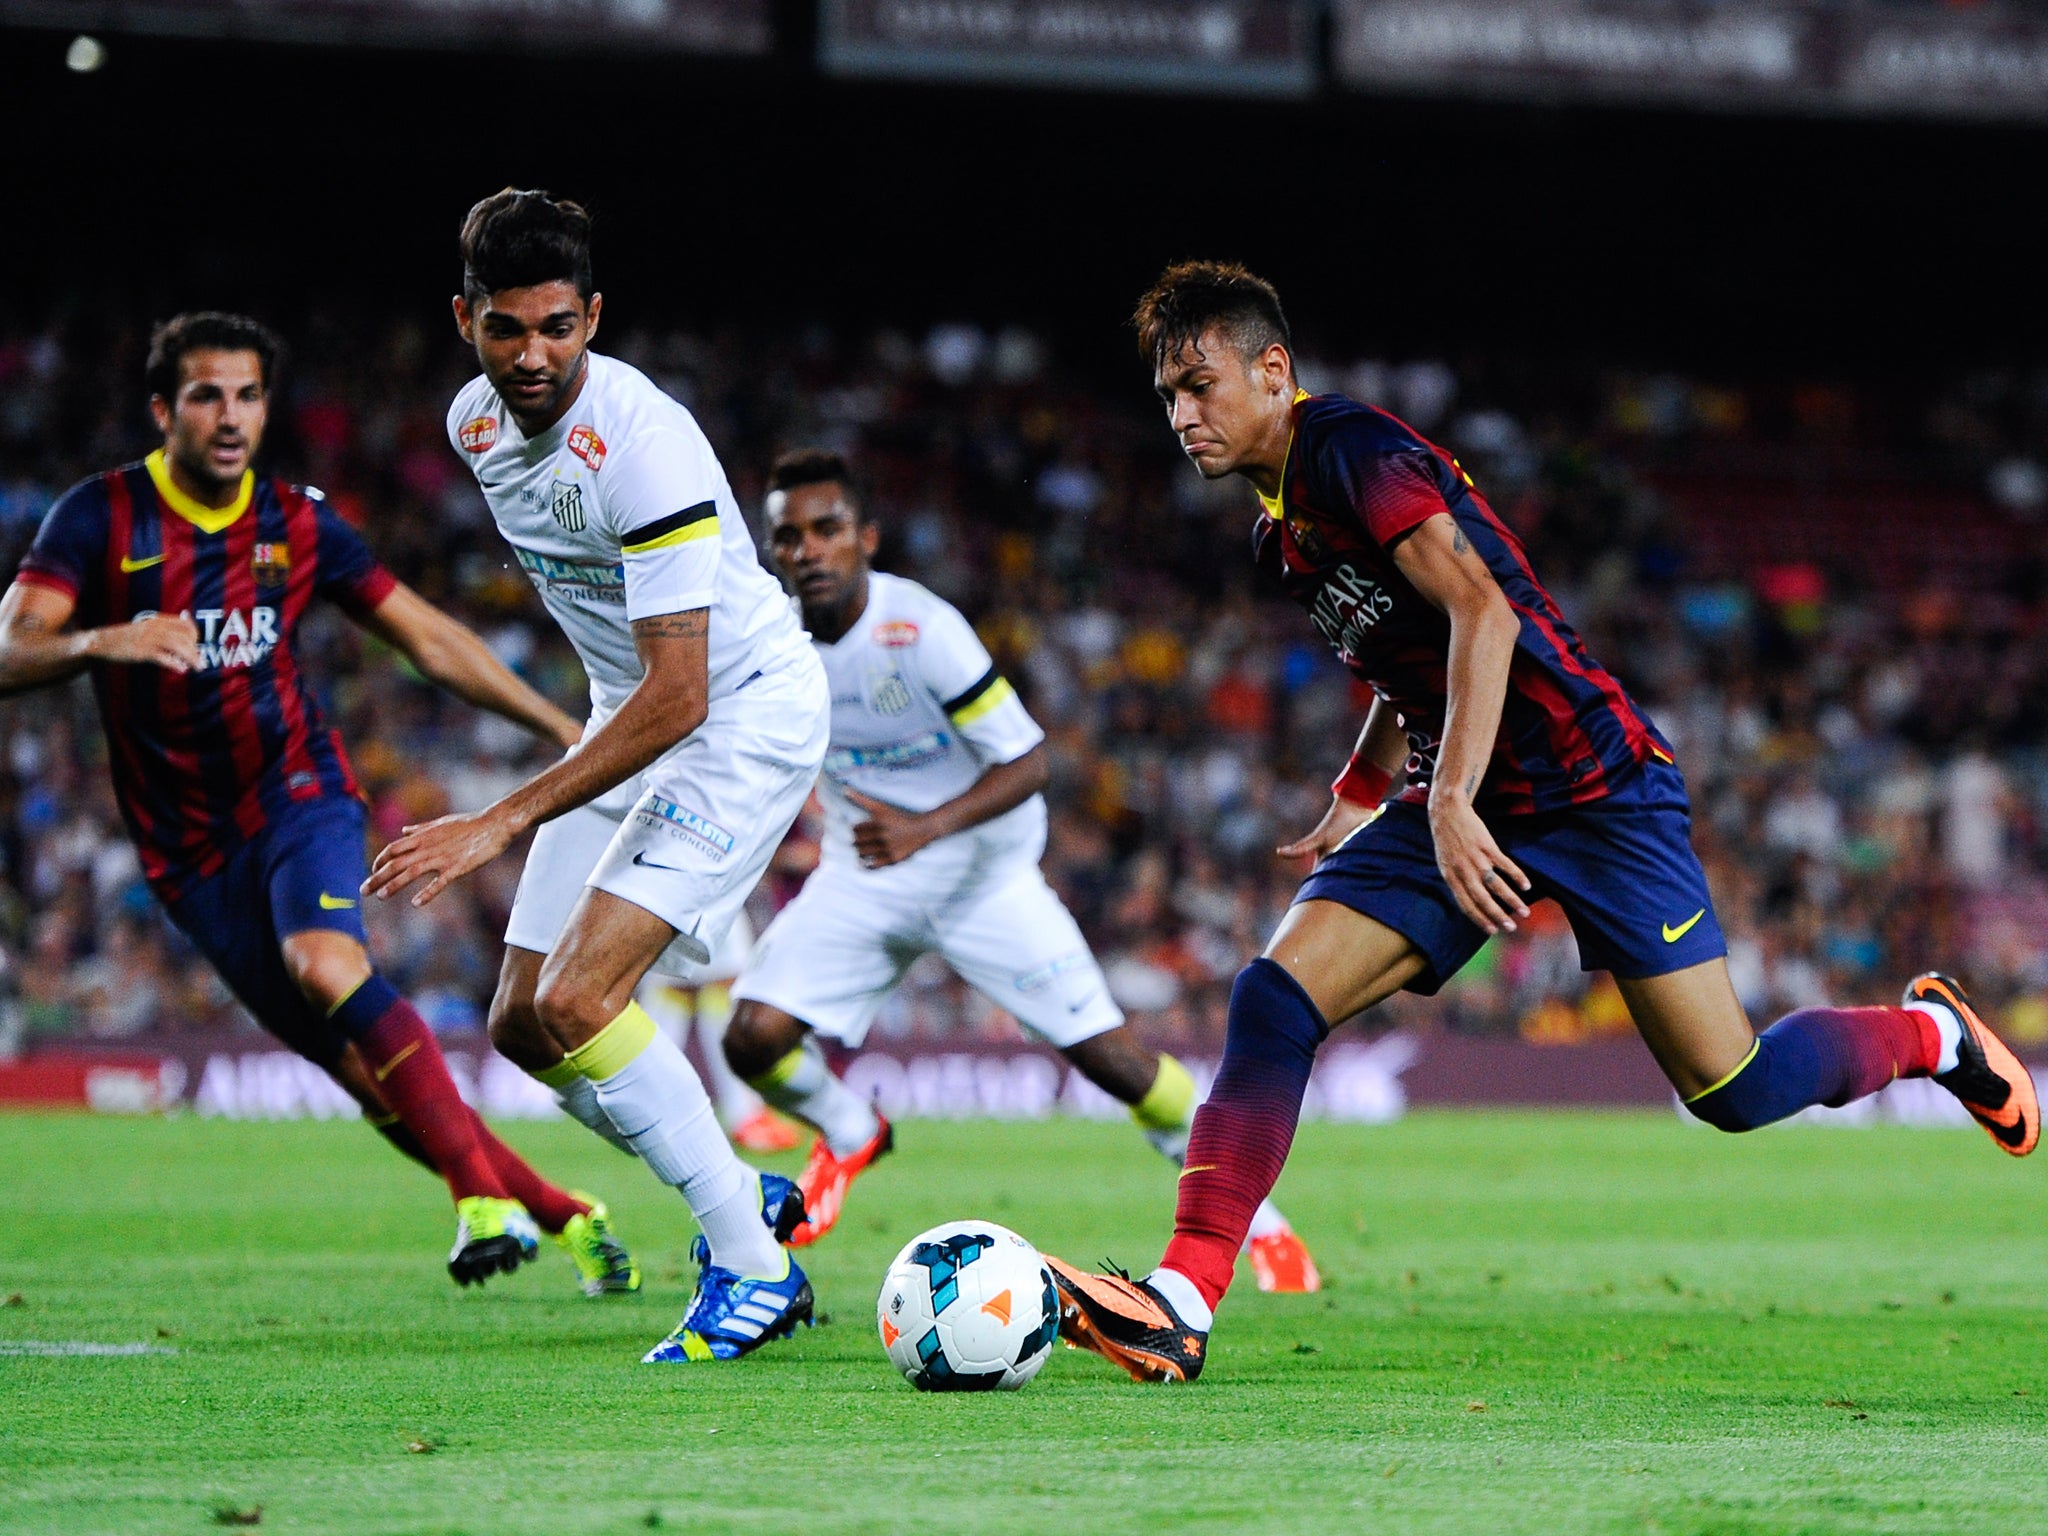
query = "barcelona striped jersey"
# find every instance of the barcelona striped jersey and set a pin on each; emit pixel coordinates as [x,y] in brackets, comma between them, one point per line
[203,760]
[1356,482]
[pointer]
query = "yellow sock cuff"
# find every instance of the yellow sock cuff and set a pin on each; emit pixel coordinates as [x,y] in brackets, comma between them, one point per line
[781,1072]
[559,1076]
[1170,1102]
[1717,1087]
[612,1049]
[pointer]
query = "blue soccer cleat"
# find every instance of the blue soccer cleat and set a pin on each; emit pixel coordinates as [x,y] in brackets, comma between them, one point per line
[782,1205]
[731,1316]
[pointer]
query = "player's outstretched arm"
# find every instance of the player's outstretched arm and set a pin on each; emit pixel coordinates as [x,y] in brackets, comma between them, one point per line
[670,701]
[1441,564]
[36,647]
[890,834]
[1375,764]
[451,654]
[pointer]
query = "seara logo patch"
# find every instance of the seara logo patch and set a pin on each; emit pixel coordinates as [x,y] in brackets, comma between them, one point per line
[587,446]
[478,433]
[895,634]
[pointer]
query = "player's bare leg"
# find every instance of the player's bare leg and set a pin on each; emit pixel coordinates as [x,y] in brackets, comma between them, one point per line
[778,1055]
[1161,1096]
[583,1000]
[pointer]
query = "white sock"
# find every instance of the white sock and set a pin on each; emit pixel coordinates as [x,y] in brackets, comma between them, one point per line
[803,1085]
[1173,1146]
[1180,1291]
[737,1103]
[659,1105]
[1951,1028]
[579,1101]
[1266,1221]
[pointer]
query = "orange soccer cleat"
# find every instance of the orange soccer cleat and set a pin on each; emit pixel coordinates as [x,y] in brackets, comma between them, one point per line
[1281,1262]
[1128,1323]
[1994,1085]
[765,1131]
[826,1178]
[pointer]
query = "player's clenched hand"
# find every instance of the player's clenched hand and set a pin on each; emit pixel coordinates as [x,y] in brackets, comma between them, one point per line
[1343,818]
[1485,881]
[439,852]
[889,835]
[167,640]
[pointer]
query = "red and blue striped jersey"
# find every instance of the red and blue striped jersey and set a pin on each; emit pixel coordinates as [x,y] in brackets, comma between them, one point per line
[202,760]
[1356,482]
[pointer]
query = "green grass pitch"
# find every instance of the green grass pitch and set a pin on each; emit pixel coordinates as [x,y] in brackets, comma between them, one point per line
[1539,1323]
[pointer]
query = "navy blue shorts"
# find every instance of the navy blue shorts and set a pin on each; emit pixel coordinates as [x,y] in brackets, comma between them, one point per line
[1622,868]
[304,870]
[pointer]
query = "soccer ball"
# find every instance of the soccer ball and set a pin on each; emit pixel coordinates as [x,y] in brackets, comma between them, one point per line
[968,1307]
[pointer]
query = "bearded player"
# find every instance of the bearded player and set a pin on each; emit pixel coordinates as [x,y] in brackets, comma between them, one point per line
[708,721]
[934,826]
[180,583]
[1525,771]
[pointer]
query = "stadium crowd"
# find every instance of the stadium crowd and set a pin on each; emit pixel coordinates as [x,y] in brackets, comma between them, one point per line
[1866,763]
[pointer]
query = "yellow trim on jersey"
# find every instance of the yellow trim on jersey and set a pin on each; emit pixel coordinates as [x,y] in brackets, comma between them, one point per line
[708,529]
[206,519]
[1694,1098]
[1272,503]
[996,693]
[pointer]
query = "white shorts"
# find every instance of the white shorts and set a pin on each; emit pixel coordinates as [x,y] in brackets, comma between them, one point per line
[832,955]
[697,835]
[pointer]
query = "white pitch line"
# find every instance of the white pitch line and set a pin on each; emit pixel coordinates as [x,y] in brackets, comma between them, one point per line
[77,1347]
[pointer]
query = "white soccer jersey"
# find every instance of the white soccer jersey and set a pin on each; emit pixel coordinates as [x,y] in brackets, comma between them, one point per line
[918,714]
[620,511]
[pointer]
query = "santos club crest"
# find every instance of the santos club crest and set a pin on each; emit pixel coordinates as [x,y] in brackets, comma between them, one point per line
[569,505]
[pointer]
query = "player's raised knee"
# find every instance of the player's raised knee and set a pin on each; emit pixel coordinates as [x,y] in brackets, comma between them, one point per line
[570,1008]
[758,1037]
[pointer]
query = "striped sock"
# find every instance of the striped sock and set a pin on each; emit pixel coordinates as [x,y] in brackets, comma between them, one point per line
[1828,1056]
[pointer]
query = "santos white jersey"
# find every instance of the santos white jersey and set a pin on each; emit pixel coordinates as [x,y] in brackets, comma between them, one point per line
[918,714]
[620,511]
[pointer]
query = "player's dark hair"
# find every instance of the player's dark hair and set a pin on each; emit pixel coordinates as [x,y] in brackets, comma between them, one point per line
[521,239]
[818,466]
[1191,297]
[206,330]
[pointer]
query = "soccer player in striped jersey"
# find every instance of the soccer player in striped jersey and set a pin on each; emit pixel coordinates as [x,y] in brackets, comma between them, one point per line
[934,826]
[179,584]
[1524,771]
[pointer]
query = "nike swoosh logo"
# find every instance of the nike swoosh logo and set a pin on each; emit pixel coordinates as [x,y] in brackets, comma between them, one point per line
[391,1066]
[646,863]
[1198,1168]
[1673,935]
[334,903]
[130,566]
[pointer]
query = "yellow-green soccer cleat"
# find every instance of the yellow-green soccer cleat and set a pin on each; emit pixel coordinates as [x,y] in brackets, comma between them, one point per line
[603,1267]
[492,1237]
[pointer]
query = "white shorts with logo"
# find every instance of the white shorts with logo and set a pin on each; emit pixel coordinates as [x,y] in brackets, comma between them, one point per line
[690,837]
[832,955]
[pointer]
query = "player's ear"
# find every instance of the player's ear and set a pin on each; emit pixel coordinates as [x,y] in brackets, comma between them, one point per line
[465,322]
[1277,366]
[160,413]
[870,539]
[590,315]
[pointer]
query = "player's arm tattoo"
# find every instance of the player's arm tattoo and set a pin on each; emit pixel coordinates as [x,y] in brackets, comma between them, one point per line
[1459,543]
[694,625]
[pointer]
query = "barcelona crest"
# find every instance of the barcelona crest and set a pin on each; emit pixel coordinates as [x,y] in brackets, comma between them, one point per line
[271,564]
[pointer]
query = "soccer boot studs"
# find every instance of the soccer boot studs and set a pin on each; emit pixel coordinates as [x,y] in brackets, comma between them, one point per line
[603,1266]
[491,1237]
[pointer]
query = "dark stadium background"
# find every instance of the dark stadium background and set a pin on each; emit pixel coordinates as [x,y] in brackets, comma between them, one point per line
[1866,287]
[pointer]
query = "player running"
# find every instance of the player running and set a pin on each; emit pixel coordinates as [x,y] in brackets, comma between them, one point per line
[188,578]
[1527,772]
[708,721]
[934,826]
